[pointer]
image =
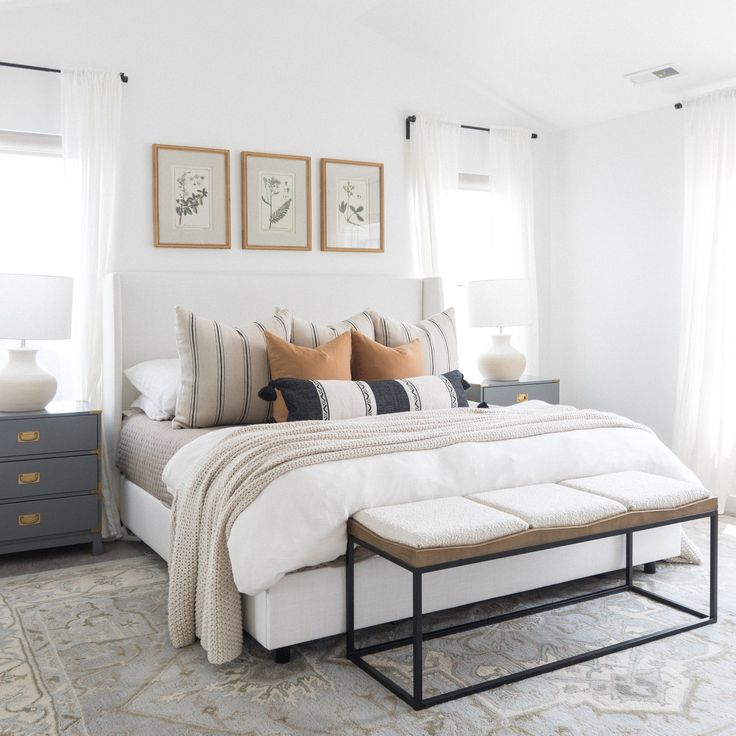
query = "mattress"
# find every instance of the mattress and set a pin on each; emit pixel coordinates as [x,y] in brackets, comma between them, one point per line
[146,446]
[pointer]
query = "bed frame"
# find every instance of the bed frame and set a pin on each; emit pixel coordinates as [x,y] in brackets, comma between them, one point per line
[310,604]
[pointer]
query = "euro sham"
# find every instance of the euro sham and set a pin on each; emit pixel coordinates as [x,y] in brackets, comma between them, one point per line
[437,334]
[312,335]
[222,368]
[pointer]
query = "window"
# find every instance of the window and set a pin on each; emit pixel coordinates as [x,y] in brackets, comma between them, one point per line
[469,253]
[32,229]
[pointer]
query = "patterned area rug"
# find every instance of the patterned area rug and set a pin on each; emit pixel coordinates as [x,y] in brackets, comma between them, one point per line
[85,652]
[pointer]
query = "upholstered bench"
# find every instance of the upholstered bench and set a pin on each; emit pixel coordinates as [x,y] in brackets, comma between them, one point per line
[425,536]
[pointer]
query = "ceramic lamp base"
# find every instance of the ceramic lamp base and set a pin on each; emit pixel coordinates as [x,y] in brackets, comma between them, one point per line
[503,362]
[24,386]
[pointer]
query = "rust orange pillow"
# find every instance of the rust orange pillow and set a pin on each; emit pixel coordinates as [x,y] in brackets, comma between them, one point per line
[372,361]
[330,361]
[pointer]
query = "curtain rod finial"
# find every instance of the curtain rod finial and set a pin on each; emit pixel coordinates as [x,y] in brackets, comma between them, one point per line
[409,120]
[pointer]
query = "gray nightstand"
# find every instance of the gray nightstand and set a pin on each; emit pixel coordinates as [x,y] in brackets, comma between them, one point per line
[50,478]
[506,393]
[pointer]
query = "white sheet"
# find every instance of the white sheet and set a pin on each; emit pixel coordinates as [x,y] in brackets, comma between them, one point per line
[299,519]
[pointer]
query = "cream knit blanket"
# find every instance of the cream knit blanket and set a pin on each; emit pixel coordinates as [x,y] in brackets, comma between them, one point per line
[203,599]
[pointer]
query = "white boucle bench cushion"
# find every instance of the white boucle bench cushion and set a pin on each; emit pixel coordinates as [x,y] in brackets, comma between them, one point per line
[550,505]
[440,522]
[641,491]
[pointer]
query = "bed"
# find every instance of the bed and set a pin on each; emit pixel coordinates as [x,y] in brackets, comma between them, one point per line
[302,602]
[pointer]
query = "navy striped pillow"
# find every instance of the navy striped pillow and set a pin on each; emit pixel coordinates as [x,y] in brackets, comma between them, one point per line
[307,400]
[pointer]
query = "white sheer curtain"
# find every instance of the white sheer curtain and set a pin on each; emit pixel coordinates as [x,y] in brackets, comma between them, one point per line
[441,222]
[705,419]
[511,187]
[91,108]
[433,170]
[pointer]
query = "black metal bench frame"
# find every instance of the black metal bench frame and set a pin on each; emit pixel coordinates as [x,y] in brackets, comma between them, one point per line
[416,698]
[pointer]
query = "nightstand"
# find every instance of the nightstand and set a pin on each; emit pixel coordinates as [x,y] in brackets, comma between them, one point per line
[506,393]
[50,478]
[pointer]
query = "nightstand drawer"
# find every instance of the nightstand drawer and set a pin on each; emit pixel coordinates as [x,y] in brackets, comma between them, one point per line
[516,394]
[44,517]
[46,435]
[36,477]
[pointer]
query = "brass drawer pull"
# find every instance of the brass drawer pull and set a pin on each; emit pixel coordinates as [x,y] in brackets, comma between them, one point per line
[521,397]
[29,519]
[27,479]
[33,436]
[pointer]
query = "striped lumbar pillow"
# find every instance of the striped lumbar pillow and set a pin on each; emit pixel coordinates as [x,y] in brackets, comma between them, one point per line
[351,399]
[222,369]
[311,335]
[437,333]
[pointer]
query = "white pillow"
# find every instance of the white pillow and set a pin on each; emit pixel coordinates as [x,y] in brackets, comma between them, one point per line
[151,409]
[158,381]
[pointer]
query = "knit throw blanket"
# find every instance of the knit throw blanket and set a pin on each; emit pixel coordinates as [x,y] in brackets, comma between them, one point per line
[203,599]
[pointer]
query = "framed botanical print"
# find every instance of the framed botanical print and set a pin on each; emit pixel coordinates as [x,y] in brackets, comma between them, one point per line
[191,197]
[277,201]
[352,206]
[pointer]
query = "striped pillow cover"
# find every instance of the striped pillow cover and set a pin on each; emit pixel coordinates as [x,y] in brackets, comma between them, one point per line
[311,335]
[437,333]
[319,400]
[222,369]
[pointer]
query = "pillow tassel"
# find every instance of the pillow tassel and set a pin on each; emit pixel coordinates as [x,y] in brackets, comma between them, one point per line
[267,393]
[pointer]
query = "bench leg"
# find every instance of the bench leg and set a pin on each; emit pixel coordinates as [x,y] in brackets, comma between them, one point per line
[629,557]
[714,566]
[650,568]
[350,598]
[418,693]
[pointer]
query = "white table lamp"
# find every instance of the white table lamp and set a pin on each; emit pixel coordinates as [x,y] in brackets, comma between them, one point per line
[31,308]
[500,303]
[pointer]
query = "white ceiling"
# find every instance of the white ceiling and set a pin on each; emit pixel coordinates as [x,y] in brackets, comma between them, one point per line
[563,61]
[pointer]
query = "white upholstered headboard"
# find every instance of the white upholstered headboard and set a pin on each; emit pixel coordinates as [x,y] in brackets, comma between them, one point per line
[139,311]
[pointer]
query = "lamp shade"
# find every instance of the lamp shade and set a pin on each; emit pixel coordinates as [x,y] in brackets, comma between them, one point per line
[35,307]
[499,303]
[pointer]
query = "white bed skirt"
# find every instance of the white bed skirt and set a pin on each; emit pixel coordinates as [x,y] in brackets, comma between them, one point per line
[310,604]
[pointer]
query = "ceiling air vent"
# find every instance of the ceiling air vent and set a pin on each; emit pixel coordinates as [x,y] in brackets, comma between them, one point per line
[652,75]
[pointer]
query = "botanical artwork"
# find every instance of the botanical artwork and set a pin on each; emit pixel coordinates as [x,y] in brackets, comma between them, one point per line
[277,201]
[353,204]
[277,198]
[192,197]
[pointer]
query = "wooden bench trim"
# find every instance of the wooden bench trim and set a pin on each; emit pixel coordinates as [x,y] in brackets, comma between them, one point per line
[418,558]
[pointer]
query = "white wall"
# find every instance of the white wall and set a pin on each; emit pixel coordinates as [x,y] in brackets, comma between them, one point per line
[615,266]
[289,77]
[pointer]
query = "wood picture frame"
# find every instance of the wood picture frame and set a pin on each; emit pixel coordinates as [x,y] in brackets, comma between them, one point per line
[191,197]
[276,201]
[348,227]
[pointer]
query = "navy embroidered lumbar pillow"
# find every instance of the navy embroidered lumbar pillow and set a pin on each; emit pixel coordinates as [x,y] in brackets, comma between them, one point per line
[351,399]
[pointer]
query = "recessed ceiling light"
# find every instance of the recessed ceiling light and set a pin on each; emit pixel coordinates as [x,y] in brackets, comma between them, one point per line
[652,75]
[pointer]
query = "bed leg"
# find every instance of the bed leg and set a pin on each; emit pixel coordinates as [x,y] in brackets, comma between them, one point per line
[282,655]
[650,568]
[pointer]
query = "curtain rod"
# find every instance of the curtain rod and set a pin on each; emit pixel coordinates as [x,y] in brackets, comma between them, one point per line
[413,118]
[123,75]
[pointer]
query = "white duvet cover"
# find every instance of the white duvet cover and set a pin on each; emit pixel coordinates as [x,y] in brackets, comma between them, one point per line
[300,519]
